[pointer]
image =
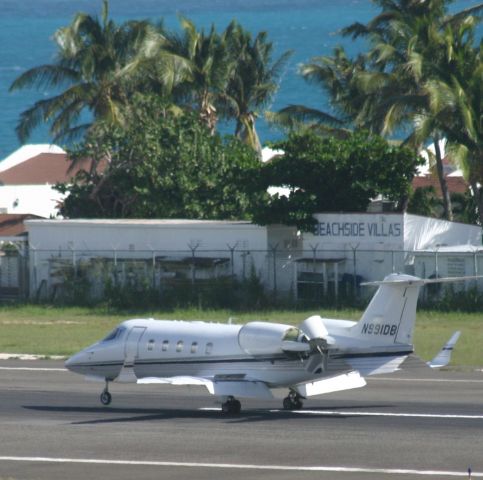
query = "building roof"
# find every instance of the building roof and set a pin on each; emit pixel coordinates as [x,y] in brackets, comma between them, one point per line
[25,152]
[141,222]
[11,225]
[455,184]
[40,165]
[45,168]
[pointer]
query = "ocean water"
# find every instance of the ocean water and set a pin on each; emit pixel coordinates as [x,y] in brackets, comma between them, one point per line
[308,27]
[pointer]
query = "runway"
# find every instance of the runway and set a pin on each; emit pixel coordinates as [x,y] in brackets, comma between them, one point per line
[414,424]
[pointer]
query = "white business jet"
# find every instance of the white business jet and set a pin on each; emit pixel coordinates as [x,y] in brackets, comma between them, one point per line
[320,356]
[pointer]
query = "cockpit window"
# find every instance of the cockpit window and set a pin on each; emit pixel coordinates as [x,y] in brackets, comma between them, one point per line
[116,333]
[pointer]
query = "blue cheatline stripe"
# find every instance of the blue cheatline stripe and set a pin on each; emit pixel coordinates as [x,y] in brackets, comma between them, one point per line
[212,361]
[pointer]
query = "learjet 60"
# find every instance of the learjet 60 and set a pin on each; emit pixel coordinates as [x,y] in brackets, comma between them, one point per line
[247,361]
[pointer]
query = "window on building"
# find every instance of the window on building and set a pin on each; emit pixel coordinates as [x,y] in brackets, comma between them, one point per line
[209,348]
[194,347]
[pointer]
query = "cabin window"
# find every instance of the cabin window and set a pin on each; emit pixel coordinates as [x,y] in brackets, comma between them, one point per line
[179,346]
[150,345]
[194,347]
[165,346]
[209,348]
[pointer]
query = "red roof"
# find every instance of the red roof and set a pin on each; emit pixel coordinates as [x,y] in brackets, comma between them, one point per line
[44,168]
[455,184]
[11,224]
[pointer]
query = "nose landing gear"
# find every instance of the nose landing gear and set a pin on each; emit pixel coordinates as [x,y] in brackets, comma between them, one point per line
[106,397]
[293,401]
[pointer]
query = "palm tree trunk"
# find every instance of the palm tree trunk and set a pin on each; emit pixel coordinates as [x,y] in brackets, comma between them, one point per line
[447,208]
[247,133]
[478,194]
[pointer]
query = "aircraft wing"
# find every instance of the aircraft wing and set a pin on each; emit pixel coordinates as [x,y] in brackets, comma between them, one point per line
[346,381]
[220,387]
[443,357]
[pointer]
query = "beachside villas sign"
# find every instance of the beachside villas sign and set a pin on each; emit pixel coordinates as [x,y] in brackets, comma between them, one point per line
[359,226]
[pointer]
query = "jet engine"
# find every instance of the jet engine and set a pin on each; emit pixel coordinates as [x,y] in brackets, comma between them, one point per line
[261,338]
[319,340]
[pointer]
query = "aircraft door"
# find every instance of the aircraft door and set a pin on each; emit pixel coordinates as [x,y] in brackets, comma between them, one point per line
[131,347]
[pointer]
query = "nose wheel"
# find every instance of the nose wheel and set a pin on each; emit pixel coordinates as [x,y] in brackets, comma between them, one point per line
[293,401]
[106,397]
[231,406]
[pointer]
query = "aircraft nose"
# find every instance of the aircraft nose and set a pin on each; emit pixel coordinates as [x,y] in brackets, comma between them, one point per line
[75,363]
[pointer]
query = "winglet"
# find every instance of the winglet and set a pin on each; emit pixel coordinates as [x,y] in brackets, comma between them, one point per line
[443,357]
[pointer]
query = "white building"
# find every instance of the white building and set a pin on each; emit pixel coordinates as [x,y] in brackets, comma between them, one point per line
[343,250]
[27,178]
[368,246]
[171,248]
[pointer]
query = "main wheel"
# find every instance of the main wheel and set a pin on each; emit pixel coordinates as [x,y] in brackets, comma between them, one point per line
[235,407]
[288,404]
[106,398]
[232,406]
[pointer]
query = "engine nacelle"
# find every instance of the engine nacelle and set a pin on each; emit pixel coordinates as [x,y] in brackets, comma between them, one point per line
[261,338]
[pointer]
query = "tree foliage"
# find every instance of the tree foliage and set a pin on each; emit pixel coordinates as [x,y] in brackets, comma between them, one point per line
[163,165]
[420,76]
[334,175]
[96,64]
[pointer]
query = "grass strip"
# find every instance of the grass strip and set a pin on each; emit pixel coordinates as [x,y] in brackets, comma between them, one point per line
[51,331]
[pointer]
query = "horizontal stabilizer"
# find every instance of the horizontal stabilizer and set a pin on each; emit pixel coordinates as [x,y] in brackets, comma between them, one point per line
[443,357]
[345,381]
[414,281]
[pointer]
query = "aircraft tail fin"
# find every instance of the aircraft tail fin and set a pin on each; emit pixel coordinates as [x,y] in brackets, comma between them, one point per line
[390,316]
[443,357]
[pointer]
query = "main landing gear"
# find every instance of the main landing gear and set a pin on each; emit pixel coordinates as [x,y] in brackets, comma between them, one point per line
[232,405]
[293,401]
[106,397]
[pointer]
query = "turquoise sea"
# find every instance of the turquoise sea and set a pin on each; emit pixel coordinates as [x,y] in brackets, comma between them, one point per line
[308,27]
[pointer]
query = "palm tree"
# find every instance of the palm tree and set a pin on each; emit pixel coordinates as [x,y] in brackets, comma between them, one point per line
[335,75]
[456,103]
[386,88]
[252,81]
[96,60]
[413,49]
[205,69]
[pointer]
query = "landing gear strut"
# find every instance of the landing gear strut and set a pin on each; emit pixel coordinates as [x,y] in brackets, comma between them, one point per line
[106,397]
[293,401]
[232,405]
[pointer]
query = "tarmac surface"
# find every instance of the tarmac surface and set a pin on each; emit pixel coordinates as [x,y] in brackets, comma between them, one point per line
[417,423]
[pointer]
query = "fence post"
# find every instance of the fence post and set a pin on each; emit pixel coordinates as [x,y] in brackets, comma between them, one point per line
[34,267]
[193,246]
[153,268]
[232,257]
[314,255]
[436,263]
[354,266]
[74,260]
[244,256]
[274,248]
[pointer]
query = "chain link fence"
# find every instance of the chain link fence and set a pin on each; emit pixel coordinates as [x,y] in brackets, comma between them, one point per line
[231,277]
